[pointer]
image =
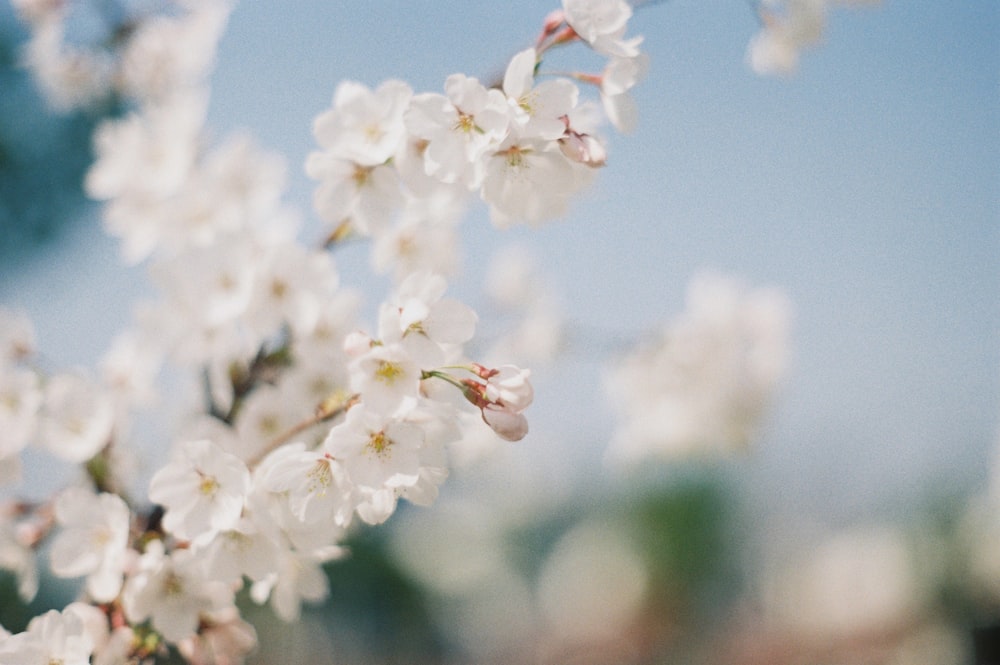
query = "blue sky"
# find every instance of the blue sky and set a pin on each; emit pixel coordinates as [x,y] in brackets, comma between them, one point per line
[867,187]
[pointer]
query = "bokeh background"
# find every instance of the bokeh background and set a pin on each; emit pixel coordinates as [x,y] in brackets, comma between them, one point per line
[866,187]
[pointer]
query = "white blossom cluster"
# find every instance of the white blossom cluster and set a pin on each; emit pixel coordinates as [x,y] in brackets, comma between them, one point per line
[702,385]
[308,419]
[525,145]
[145,51]
[789,27]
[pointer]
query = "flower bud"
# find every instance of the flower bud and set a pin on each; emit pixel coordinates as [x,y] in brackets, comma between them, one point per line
[509,425]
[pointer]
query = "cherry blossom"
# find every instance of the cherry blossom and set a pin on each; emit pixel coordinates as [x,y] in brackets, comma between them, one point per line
[203,490]
[386,377]
[93,540]
[459,127]
[527,181]
[77,419]
[364,126]
[53,637]
[538,110]
[172,591]
[379,455]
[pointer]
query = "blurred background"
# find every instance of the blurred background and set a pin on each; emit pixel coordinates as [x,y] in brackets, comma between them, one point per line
[861,525]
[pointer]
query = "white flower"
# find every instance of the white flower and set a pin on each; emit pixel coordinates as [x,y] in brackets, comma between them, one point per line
[426,323]
[129,369]
[312,485]
[379,455]
[172,591]
[203,490]
[364,126]
[297,578]
[527,181]
[386,377]
[243,550]
[77,418]
[92,541]
[291,287]
[539,110]
[365,196]
[53,637]
[223,639]
[459,128]
[208,286]
[147,155]
[266,413]
[602,24]
[167,54]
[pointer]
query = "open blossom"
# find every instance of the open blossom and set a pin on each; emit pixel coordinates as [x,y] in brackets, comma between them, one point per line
[380,455]
[170,53]
[602,24]
[311,485]
[203,490]
[147,155]
[364,126]
[92,541]
[458,128]
[172,591]
[364,196]
[386,376]
[53,637]
[223,639]
[538,109]
[426,323]
[297,578]
[527,180]
[77,419]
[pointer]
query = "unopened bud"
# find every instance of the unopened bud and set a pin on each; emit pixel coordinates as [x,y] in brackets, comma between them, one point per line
[583,149]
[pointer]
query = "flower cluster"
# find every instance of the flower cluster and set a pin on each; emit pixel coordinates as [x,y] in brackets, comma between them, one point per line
[702,386]
[307,420]
[788,27]
[526,146]
[136,53]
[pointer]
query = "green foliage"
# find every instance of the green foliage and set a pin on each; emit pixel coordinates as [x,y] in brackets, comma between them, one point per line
[374,603]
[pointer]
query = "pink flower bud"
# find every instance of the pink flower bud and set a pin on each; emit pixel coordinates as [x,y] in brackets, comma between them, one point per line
[508,424]
[584,149]
[510,388]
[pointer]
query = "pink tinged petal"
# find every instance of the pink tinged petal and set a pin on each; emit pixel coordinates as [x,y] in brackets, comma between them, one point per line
[507,424]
